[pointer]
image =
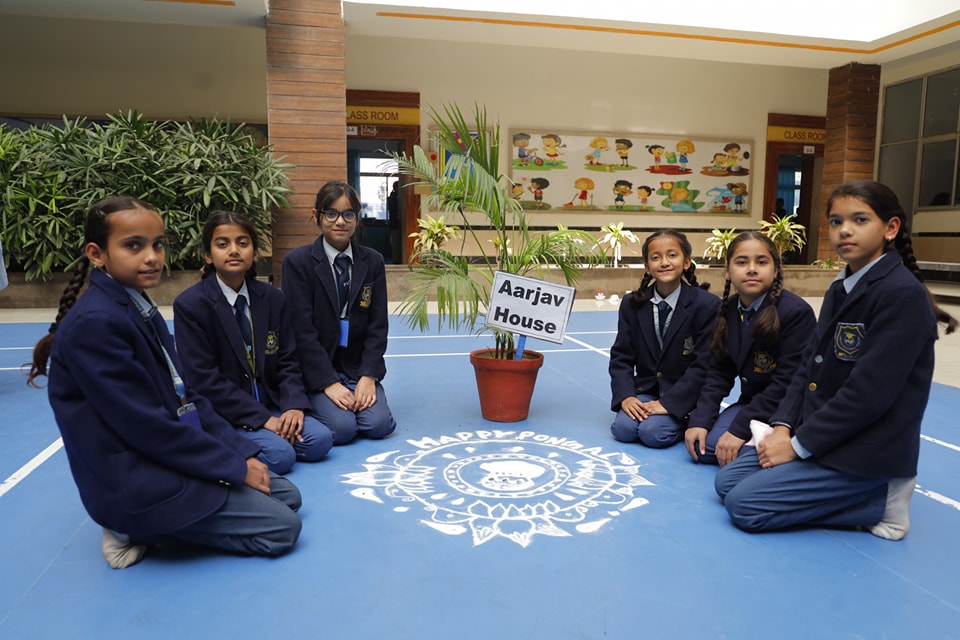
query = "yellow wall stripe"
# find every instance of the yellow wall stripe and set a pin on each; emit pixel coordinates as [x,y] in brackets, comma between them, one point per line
[664,34]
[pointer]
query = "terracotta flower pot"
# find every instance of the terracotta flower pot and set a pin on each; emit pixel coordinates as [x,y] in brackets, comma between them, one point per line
[505,386]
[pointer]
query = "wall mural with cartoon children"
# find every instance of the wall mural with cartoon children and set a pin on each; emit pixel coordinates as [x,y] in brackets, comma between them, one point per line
[630,172]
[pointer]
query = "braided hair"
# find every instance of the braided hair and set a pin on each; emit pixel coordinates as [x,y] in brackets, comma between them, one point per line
[766,328]
[209,228]
[96,230]
[640,296]
[885,204]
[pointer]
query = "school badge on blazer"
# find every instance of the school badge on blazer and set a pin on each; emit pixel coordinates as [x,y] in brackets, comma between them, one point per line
[272,345]
[763,362]
[848,340]
[688,345]
[366,294]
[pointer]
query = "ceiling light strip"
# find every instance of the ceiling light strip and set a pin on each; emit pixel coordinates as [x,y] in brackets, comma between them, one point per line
[221,3]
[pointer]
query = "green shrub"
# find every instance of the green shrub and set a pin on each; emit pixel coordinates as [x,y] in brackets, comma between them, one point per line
[49,177]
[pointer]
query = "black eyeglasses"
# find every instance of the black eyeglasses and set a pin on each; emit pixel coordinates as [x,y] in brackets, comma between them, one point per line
[331,215]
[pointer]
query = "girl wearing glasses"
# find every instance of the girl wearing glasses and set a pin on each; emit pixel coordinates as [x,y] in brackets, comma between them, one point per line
[337,293]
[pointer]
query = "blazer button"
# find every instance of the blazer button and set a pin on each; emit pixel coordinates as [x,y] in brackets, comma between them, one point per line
[812,386]
[659,374]
[818,359]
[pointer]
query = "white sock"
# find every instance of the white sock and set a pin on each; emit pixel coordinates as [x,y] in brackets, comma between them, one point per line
[118,551]
[895,522]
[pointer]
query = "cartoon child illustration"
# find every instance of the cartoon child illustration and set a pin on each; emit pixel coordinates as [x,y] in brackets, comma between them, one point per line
[621,189]
[656,150]
[551,147]
[719,163]
[537,185]
[623,146]
[732,150]
[521,141]
[583,186]
[644,192]
[739,191]
[684,148]
[679,197]
[599,145]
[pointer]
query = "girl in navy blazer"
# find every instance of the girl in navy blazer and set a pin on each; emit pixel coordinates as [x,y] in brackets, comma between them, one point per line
[760,335]
[337,292]
[257,387]
[152,459]
[846,436]
[658,360]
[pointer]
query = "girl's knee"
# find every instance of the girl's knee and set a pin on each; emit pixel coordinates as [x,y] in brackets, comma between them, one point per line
[279,456]
[343,427]
[658,434]
[317,441]
[380,428]
[743,514]
[624,428]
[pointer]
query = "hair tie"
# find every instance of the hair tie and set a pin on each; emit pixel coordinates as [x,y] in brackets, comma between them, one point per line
[53,327]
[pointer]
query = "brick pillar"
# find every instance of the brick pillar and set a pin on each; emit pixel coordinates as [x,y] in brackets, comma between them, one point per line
[306,109]
[852,103]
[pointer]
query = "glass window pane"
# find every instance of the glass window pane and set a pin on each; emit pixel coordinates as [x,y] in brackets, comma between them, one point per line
[901,111]
[942,103]
[373,196]
[897,167]
[937,171]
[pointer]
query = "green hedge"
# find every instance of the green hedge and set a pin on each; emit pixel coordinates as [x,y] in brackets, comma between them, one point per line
[50,175]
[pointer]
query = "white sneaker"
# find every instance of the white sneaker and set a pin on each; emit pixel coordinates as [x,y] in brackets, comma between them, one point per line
[895,522]
[119,552]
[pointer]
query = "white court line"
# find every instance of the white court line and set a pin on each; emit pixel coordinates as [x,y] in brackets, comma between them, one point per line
[940,442]
[466,353]
[28,468]
[939,497]
[604,352]
[16,348]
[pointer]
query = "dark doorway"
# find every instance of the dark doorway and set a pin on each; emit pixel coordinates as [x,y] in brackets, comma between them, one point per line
[373,173]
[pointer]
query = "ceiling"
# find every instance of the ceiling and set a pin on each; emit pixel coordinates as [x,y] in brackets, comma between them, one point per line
[824,34]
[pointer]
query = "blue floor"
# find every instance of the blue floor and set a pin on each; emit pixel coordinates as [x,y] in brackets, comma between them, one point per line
[457,527]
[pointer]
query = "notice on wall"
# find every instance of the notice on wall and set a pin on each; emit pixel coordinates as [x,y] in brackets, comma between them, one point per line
[529,307]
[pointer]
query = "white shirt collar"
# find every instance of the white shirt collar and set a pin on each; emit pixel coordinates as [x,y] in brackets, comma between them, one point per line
[232,295]
[850,281]
[671,299]
[332,253]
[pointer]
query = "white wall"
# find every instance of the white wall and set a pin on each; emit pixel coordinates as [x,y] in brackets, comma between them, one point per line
[76,67]
[578,91]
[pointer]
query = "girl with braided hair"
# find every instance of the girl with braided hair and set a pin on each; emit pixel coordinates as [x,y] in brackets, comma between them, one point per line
[760,335]
[151,459]
[846,436]
[658,360]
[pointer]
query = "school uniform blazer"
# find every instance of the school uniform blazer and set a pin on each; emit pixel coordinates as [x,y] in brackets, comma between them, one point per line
[765,370]
[857,401]
[215,362]
[139,470]
[312,299]
[637,364]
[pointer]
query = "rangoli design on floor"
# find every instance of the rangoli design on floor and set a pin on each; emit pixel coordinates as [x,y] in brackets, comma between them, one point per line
[510,484]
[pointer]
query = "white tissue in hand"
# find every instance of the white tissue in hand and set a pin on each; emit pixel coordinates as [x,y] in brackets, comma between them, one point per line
[760,430]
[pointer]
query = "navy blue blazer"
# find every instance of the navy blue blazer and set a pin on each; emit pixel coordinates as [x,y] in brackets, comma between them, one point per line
[765,370]
[139,470]
[312,298]
[637,364]
[215,362]
[857,402]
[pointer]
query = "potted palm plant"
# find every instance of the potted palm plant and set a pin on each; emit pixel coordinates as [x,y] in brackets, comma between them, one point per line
[785,234]
[470,184]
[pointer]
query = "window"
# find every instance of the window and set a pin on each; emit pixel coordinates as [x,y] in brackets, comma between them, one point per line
[918,140]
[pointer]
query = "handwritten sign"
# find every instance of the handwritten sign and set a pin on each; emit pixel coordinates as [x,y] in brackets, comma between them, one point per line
[529,307]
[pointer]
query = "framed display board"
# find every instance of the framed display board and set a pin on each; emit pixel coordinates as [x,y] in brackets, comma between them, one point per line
[630,172]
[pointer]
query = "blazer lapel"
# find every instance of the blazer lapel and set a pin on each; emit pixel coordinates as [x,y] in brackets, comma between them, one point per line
[325,273]
[359,275]
[261,319]
[227,318]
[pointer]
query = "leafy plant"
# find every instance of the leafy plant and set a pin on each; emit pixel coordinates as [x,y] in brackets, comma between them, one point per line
[784,233]
[470,181]
[433,233]
[50,175]
[718,242]
[830,263]
[615,236]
